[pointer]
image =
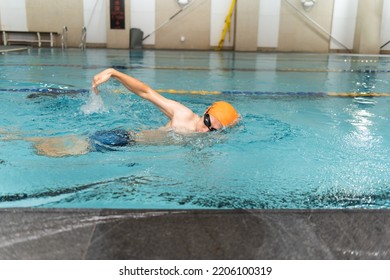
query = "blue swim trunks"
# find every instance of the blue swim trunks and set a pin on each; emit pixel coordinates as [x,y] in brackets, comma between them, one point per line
[108,140]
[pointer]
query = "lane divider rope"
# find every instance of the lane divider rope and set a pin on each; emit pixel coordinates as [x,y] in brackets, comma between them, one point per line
[59,91]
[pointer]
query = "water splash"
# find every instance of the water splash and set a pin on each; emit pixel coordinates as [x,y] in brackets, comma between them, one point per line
[94,104]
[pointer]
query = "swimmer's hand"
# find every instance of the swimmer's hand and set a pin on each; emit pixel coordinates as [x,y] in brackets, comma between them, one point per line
[100,78]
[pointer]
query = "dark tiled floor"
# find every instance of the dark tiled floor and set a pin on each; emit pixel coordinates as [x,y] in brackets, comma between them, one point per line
[131,234]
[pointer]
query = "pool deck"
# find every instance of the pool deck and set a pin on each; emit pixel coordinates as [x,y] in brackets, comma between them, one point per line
[28,233]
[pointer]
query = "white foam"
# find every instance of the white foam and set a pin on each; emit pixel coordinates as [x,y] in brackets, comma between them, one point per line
[94,104]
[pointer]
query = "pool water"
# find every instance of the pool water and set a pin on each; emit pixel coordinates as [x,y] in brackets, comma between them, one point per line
[298,144]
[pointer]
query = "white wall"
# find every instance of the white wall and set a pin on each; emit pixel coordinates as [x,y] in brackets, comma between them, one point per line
[219,11]
[95,20]
[344,22]
[143,16]
[385,34]
[13,15]
[269,18]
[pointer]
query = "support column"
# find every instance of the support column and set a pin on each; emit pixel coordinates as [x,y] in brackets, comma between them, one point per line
[247,19]
[118,38]
[368,27]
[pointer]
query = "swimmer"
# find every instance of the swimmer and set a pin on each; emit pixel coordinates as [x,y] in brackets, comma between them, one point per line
[182,120]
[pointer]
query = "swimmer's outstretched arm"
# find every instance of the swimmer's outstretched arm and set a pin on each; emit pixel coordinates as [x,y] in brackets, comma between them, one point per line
[169,107]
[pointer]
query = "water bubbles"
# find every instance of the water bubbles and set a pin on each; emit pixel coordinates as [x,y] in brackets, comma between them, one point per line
[94,104]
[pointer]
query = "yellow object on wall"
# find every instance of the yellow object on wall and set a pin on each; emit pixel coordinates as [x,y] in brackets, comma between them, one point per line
[227,26]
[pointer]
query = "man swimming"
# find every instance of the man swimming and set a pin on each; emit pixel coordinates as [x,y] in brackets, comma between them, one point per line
[182,120]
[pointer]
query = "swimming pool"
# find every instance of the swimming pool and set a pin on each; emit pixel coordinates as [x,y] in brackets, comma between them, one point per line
[300,143]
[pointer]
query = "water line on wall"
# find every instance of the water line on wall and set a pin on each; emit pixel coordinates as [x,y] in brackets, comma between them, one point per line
[317,25]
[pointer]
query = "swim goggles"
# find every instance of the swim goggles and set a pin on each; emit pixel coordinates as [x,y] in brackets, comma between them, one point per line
[207,122]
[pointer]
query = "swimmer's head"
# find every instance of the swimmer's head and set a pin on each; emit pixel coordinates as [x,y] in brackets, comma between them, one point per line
[224,113]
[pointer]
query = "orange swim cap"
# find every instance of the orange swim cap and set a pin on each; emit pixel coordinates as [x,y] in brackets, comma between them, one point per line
[224,112]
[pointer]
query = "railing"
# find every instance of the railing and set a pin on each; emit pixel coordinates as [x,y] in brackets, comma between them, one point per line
[315,24]
[4,38]
[64,37]
[384,45]
[83,43]
[32,37]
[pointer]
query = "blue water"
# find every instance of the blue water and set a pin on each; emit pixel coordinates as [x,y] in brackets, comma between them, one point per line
[296,147]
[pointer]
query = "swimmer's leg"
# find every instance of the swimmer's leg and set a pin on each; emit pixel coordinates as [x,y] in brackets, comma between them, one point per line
[6,135]
[61,146]
[51,146]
